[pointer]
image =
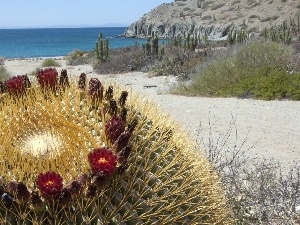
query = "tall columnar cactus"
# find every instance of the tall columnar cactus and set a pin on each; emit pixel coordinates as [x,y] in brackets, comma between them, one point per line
[204,39]
[155,45]
[102,48]
[298,23]
[68,159]
[147,47]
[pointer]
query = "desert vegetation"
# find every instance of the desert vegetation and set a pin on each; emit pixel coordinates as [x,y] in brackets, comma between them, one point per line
[260,68]
[259,191]
[256,69]
[4,74]
[50,63]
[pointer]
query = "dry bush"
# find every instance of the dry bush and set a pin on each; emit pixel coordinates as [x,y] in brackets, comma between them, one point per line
[259,190]
[4,74]
[178,61]
[50,63]
[78,57]
[174,61]
[122,60]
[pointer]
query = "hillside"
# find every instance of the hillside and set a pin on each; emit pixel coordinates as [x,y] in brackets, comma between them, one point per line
[213,17]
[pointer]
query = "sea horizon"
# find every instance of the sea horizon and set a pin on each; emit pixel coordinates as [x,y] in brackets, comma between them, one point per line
[50,42]
[68,26]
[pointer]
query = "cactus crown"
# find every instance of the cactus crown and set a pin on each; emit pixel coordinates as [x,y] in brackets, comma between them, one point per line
[77,156]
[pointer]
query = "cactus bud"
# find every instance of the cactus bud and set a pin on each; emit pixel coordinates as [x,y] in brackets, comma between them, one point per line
[114,128]
[83,179]
[65,196]
[47,78]
[109,93]
[74,187]
[82,81]
[113,108]
[122,168]
[122,141]
[124,154]
[95,88]
[123,97]
[2,87]
[36,200]
[123,114]
[99,180]
[63,79]
[19,191]
[26,81]
[15,85]
[7,199]
[132,125]
[91,191]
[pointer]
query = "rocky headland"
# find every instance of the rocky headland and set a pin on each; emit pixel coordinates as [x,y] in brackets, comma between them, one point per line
[213,18]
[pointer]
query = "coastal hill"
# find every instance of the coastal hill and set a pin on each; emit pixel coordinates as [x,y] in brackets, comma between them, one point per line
[213,17]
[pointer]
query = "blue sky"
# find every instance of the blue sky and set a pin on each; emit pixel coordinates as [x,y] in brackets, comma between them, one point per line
[70,13]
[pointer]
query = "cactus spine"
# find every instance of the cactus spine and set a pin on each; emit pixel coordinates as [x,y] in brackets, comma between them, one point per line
[159,176]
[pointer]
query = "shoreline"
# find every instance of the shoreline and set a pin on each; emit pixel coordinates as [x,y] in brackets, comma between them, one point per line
[35,58]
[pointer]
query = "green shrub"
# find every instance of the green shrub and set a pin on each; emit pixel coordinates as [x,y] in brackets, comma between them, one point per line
[4,74]
[50,63]
[224,72]
[270,84]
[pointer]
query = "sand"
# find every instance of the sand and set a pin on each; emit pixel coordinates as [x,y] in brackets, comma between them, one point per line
[269,129]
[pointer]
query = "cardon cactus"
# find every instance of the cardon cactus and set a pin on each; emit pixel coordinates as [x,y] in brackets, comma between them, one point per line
[70,159]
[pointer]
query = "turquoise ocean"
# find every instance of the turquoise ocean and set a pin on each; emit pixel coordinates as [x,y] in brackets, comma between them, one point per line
[51,42]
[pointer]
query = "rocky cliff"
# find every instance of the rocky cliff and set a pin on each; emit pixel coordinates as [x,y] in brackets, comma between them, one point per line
[213,17]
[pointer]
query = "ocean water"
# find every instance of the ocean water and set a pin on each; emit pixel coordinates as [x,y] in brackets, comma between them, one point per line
[51,42]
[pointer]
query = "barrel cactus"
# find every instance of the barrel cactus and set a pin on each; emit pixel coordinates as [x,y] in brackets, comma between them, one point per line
[78,153]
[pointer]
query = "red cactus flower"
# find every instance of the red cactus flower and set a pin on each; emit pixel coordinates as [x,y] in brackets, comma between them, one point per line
[114,128]
[47,78]
[49,184]
[102,160]
[15,85]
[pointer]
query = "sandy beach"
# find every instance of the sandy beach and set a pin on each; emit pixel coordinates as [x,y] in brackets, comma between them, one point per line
[267,129]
